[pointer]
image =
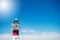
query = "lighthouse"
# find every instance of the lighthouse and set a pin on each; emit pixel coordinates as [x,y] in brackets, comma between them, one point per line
[15,31]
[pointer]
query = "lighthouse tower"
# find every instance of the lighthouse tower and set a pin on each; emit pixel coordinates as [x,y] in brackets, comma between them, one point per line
[15,29]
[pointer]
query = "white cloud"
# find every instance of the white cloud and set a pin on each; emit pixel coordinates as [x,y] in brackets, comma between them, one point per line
[32,31]
[42,36]
[24,31]
[6,37]
[28,31]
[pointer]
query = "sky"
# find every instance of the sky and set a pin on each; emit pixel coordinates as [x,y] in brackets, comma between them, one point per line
[39,19]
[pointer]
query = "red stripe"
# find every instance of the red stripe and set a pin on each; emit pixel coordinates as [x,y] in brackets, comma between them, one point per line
[15,32]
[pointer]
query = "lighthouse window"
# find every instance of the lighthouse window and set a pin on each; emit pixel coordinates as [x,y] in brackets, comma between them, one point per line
[16,26]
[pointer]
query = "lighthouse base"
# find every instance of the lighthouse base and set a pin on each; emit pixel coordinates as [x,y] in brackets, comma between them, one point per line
[15,37]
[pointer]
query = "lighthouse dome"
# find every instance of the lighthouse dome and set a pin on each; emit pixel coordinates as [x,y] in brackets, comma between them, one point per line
[16,21]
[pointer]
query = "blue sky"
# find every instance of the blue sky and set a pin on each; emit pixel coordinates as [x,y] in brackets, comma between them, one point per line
[39,15]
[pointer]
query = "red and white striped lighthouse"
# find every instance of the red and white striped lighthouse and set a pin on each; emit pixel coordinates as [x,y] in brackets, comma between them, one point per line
[15,29]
